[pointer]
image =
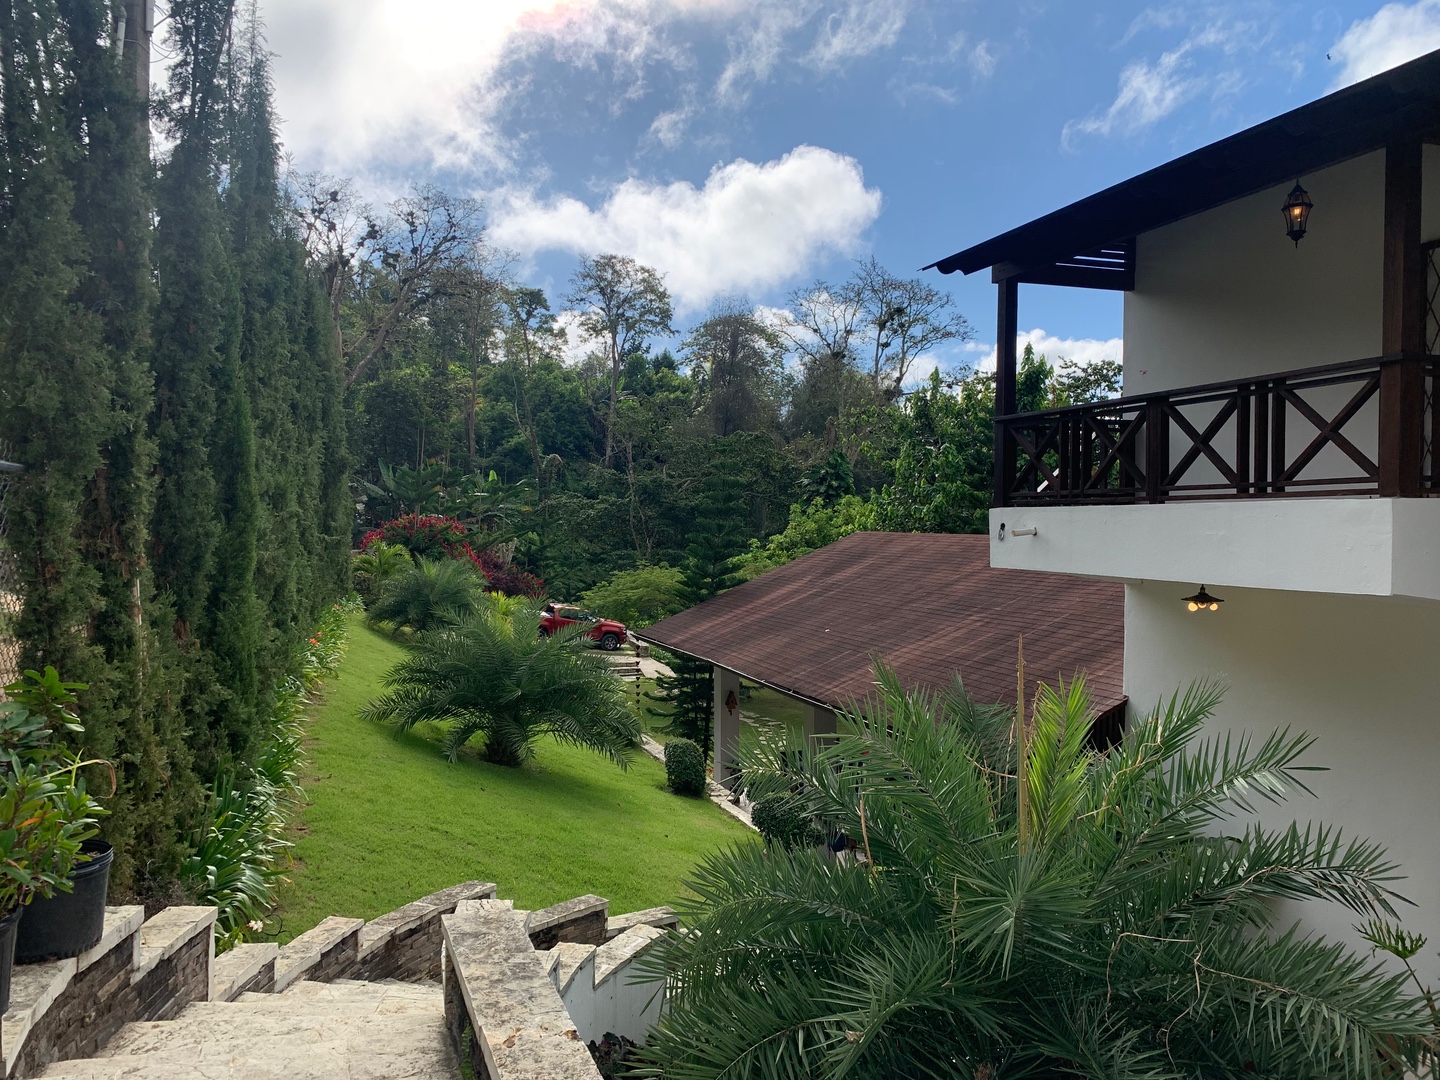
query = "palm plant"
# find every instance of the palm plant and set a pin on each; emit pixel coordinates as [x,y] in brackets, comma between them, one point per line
[1116,921]
[379,564]
[491,673]
[429,594]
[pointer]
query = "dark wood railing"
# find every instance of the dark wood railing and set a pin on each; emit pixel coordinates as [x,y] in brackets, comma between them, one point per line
[1359,428]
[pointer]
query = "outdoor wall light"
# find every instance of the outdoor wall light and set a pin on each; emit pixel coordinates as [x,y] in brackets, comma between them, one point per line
[1297,212]
[1202,601]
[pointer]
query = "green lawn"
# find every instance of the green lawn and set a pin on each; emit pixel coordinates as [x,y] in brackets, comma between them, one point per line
[389,820]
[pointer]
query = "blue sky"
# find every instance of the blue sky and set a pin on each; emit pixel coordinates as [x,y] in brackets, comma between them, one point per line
[750,146]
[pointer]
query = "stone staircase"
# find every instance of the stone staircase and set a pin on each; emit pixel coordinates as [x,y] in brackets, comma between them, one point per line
[625,665]
[347,1028]
[519,994]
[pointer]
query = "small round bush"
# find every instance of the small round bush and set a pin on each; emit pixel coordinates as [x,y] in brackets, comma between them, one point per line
[685,767]
[781,820]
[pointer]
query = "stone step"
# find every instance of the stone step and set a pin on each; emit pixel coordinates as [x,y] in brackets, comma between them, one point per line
[337,1059]
[206,1033]
[314,1031]
[349,990]
[284,1005]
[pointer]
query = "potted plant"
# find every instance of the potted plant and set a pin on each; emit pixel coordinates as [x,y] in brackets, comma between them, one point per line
[42,827]
[66,912]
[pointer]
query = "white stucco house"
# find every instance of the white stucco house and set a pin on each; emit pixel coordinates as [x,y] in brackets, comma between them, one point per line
[1276,443]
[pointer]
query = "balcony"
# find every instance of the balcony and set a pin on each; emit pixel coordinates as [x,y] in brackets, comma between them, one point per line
[1365,427]
[1284,481]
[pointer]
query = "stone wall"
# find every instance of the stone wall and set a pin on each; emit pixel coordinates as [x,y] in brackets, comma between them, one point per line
[581,921]
[404,945]
[151,970]
[70,1008]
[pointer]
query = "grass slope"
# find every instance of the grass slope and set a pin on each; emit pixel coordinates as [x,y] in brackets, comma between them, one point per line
[390,819]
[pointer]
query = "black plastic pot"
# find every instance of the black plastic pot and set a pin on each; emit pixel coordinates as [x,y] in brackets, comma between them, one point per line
[66,924]
[7,954]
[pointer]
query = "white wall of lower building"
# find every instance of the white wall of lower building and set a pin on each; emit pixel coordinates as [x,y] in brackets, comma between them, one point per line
[1360,673]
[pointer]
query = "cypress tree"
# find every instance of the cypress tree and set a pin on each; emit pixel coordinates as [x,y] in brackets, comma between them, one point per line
[709,570]
[205,528]
[54,404]
[176,398]
[130,709]
[291,376]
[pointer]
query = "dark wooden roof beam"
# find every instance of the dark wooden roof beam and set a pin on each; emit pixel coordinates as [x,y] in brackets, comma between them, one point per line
[1110,266]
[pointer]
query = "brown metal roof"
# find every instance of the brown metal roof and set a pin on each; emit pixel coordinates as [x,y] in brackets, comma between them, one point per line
[927,605]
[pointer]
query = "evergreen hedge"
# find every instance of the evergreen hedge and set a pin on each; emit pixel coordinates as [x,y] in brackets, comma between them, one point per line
[174,393]
[685,767]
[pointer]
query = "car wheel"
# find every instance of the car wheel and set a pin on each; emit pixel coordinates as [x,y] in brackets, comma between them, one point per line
[610,642]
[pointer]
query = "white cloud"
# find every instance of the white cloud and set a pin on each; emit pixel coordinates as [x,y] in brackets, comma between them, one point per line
[1394,34]
[750,227]
[862,28]
[668,129]
[756,50]
[1148,93]
[422,82]
[355,82]
[1083,351]
[982,61]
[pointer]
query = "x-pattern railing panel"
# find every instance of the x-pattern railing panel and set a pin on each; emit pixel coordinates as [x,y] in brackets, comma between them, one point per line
[1314,431]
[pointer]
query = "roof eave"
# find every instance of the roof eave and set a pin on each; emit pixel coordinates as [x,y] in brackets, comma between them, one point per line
[1401,103]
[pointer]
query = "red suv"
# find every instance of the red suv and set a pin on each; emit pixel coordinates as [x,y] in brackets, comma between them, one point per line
[607,633]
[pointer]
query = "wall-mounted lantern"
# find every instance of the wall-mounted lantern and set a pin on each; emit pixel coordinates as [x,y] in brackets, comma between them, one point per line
[1202,601]
[1297,212]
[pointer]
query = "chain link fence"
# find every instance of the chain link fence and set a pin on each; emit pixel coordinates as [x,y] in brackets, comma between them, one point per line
[11,601]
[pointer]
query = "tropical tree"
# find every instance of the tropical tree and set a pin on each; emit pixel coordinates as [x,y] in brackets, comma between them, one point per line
[739,362]
[429,594]
[1029,907]
[638,597]
[622,303]
[491,673]
[904,318]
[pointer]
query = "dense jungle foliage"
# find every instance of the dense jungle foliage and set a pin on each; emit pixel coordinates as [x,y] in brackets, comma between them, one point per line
[221,376]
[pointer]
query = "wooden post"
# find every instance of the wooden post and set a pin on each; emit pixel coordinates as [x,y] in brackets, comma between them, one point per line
[1007,328]
[1157,451]
[1402,333]
[1242,440]
[1262,436]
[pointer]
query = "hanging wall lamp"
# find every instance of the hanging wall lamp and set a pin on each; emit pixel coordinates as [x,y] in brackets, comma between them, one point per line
[1202,601]
[1297,212]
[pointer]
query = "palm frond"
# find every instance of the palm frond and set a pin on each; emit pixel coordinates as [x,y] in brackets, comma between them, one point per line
[1131,938]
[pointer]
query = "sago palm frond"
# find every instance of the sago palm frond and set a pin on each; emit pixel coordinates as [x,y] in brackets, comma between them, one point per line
[492,674]
[428,595]
[1130,936]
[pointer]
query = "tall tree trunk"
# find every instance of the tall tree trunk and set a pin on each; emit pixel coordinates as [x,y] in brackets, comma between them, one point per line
[614,396]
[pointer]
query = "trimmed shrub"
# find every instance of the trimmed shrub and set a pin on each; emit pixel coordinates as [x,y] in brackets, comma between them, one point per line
[685,767]
[782,821]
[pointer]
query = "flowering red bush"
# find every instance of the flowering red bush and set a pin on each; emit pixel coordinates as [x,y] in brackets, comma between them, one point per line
[431,536]
[425,535]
